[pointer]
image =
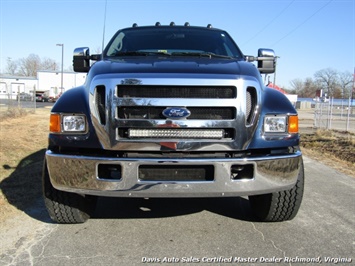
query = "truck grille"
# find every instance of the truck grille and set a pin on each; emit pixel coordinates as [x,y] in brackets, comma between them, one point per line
[203,92]
[176,173]
[100,100]
[250,105]
[140,113]
[150,112]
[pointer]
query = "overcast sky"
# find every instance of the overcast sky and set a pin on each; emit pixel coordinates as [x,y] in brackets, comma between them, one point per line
[307,35]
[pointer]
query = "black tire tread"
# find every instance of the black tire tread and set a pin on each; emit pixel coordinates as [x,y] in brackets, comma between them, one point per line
[65,207]
[279,206]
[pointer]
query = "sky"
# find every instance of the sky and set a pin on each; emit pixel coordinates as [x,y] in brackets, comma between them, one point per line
[306,35]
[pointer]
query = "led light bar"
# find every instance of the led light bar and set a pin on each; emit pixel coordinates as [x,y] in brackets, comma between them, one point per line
[176,133]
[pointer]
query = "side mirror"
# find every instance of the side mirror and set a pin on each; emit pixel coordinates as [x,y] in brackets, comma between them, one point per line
[266,61]
[81,59]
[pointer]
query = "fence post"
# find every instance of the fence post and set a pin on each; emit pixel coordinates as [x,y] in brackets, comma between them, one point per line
[315,115]
[348,119]
[328,112]
[331,103]
[321,114]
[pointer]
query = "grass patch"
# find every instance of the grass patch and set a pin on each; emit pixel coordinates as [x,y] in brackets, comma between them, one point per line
[14,112]
[23,136]
[335,148]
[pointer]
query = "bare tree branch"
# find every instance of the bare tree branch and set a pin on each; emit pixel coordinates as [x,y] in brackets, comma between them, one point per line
[11,67]
[345,83]
[49,64]
[328,78]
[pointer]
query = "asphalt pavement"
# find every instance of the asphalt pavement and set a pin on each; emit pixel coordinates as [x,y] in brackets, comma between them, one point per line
[198,231]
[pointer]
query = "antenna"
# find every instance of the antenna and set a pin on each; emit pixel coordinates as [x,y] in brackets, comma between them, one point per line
[103,32]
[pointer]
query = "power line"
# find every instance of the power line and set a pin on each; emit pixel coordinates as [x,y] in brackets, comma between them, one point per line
[301,24]
[267,25]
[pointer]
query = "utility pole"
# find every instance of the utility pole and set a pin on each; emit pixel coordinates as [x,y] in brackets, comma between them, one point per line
[61,78]
[275,69]
[352,93]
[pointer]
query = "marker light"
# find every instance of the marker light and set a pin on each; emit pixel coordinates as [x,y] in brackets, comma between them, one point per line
[54,123]
[293,124]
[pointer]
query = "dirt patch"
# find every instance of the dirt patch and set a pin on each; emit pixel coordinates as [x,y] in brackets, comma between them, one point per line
[334,148]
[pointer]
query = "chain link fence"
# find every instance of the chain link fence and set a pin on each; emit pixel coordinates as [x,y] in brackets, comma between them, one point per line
[23,102]
[338,116]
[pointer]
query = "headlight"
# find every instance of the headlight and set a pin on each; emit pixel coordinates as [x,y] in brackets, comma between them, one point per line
[275,124]
[63,123]
[74,123]
[281,124]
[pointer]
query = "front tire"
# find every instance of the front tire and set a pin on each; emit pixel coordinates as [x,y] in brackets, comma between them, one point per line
[65,207]
[279,206]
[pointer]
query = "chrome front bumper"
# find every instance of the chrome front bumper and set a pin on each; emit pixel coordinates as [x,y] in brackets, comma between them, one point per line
[79,174]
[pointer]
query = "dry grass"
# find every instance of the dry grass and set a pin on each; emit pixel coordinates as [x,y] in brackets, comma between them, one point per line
[23,137]
[13,112]
[334,148]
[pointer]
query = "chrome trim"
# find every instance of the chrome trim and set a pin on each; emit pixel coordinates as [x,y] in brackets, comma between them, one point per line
[81,51]
[108,133]
[264,52]
[79,174]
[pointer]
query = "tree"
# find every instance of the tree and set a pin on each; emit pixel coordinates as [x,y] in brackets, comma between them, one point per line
[328,79]
[11,67]
[49,64]
[29,66]
[345,83]
[297,87]
[310,88]
[305,88]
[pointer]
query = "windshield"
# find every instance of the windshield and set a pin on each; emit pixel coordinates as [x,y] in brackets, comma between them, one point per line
[172,41]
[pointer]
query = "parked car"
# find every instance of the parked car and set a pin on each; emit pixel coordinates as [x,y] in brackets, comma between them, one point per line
[41,97]
[55,98]
[24,97]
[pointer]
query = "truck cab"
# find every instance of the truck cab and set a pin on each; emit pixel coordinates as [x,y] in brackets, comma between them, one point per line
[173,111]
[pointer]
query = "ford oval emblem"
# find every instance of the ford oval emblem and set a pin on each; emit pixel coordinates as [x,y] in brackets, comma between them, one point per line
[176,112]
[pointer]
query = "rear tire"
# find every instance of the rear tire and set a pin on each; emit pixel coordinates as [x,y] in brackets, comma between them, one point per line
[279,206]
[65,207]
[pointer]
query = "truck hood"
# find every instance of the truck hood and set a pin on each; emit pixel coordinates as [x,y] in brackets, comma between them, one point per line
[174,65]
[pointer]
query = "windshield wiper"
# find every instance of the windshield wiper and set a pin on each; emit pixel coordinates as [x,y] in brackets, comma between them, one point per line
[149,53]
[139,53]
[205,54]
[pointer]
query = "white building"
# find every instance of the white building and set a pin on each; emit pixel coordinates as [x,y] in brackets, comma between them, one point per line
[11,86]
[48,82]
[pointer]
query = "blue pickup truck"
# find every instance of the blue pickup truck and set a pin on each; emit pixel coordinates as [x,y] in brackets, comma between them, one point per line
[173,111]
